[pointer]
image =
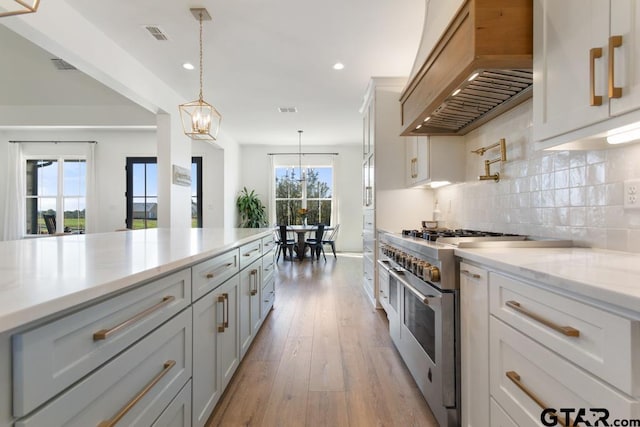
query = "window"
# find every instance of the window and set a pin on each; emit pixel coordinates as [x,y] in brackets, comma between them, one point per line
[142,192]
[56,189]
[291,196]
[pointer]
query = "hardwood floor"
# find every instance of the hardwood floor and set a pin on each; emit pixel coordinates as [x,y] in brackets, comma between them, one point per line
[322,358]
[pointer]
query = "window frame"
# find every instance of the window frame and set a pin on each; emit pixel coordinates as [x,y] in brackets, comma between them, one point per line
[130,161]
[59,197]
[303,199]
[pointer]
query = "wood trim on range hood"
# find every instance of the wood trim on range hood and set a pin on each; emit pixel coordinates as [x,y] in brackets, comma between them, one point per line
[491,37]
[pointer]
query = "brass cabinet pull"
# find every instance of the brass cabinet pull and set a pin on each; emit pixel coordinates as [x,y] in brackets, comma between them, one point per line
[515,378]
[594,53]
[565,330]
[103,334]
[614,42]
[470,274]
[222,325]
[126,408]
[212,274]
[254,275]
[251,251]
[226,317]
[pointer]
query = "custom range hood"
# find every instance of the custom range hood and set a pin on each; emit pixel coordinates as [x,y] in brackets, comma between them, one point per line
[480,67]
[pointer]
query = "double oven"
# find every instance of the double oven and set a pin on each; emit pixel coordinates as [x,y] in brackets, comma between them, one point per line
[419,285]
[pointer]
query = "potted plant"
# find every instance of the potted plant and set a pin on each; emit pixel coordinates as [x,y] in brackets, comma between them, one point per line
[253,213]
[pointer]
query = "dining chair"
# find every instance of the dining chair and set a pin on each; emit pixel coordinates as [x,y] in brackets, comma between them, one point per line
[331,240]
[316,244]
[50,222]
[284,243]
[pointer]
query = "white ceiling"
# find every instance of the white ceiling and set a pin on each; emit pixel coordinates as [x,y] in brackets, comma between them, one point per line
[258,56]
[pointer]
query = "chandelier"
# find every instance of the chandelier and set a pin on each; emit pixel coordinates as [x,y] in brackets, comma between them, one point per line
[200,120]
[21,7]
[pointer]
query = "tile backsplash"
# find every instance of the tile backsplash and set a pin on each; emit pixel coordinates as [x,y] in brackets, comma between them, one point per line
[574,195]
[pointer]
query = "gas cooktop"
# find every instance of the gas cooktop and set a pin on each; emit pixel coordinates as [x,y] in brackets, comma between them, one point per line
[464,238]
[434,234]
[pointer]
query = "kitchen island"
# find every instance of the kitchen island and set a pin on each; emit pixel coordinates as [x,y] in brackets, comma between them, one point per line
[53,287]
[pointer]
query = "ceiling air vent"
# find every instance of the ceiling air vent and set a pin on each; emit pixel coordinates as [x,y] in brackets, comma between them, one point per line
[288,109]
[156,32]
[61,64]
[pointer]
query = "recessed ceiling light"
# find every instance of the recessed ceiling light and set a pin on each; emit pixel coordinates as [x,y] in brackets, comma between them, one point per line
[338,66]
[188,66]
[455,92]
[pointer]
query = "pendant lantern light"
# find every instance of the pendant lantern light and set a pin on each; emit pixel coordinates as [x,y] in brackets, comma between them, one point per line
[19,7]
[302,174]
[200,120]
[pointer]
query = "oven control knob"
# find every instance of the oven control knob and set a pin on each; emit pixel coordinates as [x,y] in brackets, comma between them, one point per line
[434,273]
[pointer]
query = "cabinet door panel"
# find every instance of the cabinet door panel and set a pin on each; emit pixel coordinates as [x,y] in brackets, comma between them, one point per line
[474,332]
[625,22]
[207,316]
[566,31]
[229,341]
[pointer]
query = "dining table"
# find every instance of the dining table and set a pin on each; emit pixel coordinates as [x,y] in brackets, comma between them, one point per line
[301,231]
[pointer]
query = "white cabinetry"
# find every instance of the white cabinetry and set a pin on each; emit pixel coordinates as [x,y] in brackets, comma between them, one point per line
[474,335]
[250,295]
[216,353]
[578,66]
[546,349]
[133,389]
[434,160]
[382,166]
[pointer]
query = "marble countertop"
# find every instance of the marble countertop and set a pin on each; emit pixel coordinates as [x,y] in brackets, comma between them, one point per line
[606,276]
[44,276]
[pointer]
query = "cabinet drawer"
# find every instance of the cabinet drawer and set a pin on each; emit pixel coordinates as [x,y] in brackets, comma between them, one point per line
[268,267]
[606,344]
[268,245]
[268,297]
[249,253]
[554,381]
[178,413]
[210,274]
[499,418]
[52,357]
[147,375]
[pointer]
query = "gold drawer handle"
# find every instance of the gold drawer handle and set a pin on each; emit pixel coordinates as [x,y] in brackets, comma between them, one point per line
[251,251]
[565,330]
[254,275]
[213,273]
[614,42]
[126,408]
[222,299]
[594,53]
[470,274]
[515,378]
[106,333]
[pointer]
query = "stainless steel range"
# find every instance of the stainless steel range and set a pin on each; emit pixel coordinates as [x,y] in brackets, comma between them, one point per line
[421,277]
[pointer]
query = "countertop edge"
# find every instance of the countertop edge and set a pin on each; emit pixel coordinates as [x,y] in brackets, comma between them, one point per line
[56,307]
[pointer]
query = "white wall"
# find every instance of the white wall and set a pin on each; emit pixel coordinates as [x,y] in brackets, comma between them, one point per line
[113,148]
[563,194]
[348,175]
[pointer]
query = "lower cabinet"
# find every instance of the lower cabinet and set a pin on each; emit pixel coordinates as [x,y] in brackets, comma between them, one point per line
[133,389]
[533,354]
[250,295]
[216,350]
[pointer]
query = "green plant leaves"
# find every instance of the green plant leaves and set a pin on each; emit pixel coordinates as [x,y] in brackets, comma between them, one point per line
[253,213]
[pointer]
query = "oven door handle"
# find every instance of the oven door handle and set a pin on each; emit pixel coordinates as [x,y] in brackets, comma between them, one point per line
[425,299]
[384,264]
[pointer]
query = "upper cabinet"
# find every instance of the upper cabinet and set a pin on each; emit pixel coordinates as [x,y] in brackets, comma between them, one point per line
[434,161]
[585,63]
[479,68]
